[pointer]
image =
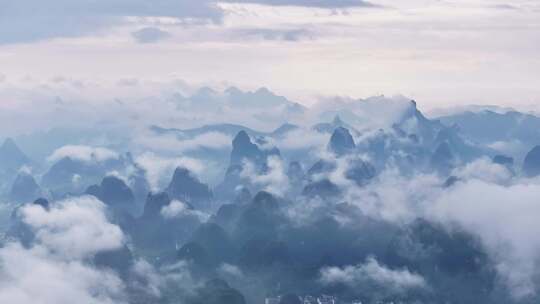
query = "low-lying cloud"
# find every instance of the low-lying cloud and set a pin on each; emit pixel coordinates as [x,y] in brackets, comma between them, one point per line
[55,267]
[371,272]
[83,153]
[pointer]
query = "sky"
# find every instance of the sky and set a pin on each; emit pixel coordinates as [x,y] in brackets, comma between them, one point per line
[441,53]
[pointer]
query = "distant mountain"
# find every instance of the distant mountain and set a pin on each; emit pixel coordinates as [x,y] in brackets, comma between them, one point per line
[115,193]
[158,234]
[25,189]
[228,129]
[11,157]
[329,127]
[511,127]
[283,130]
[341,142]
[69,175]
[154,203]
[262,99]
[503,160]
[216,291]
[186,187]
[531,164]
[443,159]
[245,149]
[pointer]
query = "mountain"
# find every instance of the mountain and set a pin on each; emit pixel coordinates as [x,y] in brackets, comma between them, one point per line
[216,291]
[360,172]
[115,193]
[261,99]
[531,164]
[326,127]
[283,130]
[158,234]
[24,189]
[228,129]
[518,130]
[11,157]
[341,142]
[503,160]
[154,203]
[244,149]
[443,160]
[71,175]
[186,187]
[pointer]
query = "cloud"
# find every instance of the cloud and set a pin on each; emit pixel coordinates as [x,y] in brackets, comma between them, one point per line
[150,35]
[371,113]
[75,228]
[484,169]
[178,209]
[372,272]
[54,269]
[312,3]
[230,270]
[33,275]
[83,153]
[159,169]
[504,217]
[171,143]
[303,139]
[26,20]
[273,180]
[277,34]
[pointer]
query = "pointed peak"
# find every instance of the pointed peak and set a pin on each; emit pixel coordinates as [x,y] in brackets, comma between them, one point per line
[263,90]
[232,90]
[10,145]
[42,202]
[182,172]
[341,141]
[9,142]
[337,120]
[241,137]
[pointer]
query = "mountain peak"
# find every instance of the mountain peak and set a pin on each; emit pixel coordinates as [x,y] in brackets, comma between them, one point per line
[531,164]
[11,157]
[341,141]
[244,148]
[337,121]
[187,188]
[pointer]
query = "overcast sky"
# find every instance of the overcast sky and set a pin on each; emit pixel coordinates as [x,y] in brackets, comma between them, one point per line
[438,52]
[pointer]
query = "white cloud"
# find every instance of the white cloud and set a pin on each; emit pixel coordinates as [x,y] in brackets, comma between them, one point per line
[30,276]
[83,153]
[178,209]
[174,209]
[75,227]
[55,268]
[302,139]
[484,169]
[512,147]
[371,271]
[150,35]
[504,217]
[274,180]
[160,169]
[231,270]
[171,143]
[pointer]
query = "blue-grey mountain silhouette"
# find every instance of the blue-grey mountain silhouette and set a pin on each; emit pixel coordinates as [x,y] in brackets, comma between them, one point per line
[341,142]
[531,164]
[24,189]
[186,187]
